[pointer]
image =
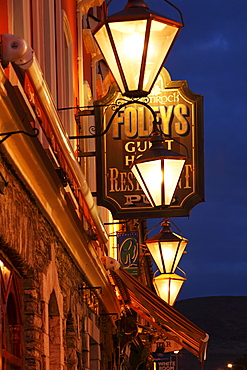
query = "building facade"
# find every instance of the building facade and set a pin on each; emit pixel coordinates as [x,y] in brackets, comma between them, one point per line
[61,308]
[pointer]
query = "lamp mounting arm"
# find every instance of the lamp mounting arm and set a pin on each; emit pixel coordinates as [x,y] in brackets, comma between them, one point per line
[175,7]
[6,135]
[116,110]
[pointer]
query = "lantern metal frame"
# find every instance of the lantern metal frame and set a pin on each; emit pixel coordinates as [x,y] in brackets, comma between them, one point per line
[162,241]
[134,11]
[164,160]
[173,291]
[167,284]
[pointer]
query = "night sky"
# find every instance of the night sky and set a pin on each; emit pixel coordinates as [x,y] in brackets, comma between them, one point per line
[210,53]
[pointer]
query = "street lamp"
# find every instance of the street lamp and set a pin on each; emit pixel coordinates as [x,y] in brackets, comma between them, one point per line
[166,248]
[168,286]
[230,366]
[158,171]
[135,43]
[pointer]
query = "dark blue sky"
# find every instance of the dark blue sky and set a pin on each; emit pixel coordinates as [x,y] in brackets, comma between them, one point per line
[211,54]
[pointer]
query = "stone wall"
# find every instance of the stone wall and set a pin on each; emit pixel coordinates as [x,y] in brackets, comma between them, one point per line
[53,306]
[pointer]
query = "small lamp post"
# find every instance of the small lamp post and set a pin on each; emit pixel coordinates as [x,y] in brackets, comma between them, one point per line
[230,366]
[135,43]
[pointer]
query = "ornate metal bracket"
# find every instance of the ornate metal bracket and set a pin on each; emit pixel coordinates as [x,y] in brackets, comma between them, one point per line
[106,318]
[120,103]
[8,134]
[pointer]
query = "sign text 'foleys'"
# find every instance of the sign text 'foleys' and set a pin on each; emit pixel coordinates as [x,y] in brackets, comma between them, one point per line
[180,113]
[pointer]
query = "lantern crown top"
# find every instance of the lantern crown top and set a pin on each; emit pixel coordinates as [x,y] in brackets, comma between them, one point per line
[166,225]
[138,9]
[158,151]
[165,234]
[134,3]
[135,43]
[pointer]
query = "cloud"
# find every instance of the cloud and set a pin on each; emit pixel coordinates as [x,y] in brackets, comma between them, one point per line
[220,43]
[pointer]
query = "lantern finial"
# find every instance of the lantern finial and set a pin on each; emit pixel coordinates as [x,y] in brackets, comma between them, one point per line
[134,3]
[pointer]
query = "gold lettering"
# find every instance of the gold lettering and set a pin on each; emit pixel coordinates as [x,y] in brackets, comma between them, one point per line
[130,186]
[138,186]
[169,144]
[114,179]
[145,199]
[130,199]
[144,122]
[166,116]
[142,146]
[128,148]
[182,127]
[129,160]
[130,122]
[117,122]
[122,181]
[186,175]
[188,170]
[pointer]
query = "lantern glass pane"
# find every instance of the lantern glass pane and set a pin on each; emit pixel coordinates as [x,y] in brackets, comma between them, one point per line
[158,181]
[129,41]
[160,40]
[172,172]
[169,250]
[172,252]
[155,252]
[180,252]
[103,41]
[168,287]
[152,176]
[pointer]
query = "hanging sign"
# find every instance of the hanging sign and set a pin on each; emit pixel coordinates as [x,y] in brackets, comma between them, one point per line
[181,116]
[162,346]
[169,362]
[128,251]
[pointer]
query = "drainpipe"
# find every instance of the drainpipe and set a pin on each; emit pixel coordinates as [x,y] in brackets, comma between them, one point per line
[94,61]
[80,53]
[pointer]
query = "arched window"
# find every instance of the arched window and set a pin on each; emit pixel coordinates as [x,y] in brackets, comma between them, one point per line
[10,307]
[55,337]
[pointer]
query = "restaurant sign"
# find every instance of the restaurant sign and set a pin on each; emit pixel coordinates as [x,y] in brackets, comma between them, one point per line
[169,362]
[180,111]
[161,346]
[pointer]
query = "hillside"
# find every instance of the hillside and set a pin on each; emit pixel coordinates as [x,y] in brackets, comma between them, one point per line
[224,318]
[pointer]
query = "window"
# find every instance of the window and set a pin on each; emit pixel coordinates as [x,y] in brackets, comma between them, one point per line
[19,19]
[68,78]
[55,339]
[10,308]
